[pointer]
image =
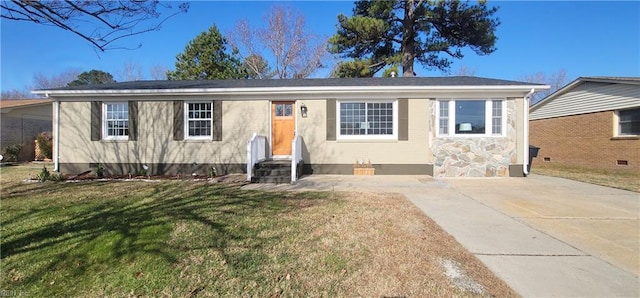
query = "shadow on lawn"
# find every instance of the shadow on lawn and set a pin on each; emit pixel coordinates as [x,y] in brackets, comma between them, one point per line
[119,222]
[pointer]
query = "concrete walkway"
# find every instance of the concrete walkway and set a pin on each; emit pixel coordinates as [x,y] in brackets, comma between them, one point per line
[544,236]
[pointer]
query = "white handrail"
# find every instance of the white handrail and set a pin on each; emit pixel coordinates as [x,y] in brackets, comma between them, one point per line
[256,151]
[296,156]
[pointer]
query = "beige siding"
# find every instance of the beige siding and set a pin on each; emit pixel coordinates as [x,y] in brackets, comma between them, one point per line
[321,151]
[589,97]
[155,144]
[155,136]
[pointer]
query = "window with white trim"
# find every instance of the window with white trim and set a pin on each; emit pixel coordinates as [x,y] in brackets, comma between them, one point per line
[115,124]
[471,117]
[199,120]
[629,122]
[367,119]
[496,117]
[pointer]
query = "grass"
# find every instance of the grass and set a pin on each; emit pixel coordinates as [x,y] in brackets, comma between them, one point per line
[622,179]
[187,239]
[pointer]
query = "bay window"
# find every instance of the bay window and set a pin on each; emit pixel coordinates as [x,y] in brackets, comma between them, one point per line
[471,117]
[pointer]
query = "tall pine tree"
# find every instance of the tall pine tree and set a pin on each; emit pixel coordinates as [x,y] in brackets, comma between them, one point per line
[382,33]
[206,57]
[92,77]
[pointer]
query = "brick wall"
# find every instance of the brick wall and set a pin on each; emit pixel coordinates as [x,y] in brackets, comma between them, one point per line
[583,140]
[22,131]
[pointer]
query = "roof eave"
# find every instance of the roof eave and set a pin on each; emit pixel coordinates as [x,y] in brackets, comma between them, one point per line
[268,91]
[28,105]
[578,81]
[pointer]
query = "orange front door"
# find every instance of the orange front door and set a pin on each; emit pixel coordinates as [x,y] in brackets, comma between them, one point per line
[283,125]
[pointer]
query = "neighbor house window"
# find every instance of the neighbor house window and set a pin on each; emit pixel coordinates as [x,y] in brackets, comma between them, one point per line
[470,117]
[199,120]
[367,119]
[116,121]
[629,122]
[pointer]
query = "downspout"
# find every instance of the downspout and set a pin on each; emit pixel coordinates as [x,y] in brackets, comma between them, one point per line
[525,117]
[56,134]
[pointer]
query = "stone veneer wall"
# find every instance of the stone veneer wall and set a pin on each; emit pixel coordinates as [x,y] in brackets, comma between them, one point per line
[475,156]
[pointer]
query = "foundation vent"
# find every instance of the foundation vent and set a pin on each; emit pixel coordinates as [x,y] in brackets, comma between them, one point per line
[621,162]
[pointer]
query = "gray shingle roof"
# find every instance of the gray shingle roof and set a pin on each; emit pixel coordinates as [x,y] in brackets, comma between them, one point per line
[620,79]
[343,82]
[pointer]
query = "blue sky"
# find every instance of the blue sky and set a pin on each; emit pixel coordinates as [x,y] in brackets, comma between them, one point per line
[585,38]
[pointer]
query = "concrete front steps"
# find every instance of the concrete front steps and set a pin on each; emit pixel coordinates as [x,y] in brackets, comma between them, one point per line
[272,171]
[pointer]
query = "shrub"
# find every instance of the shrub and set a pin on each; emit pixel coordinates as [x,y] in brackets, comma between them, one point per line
[100,171]
[45,144]
[12,152]
[57,177]
[213,172]
[44,175]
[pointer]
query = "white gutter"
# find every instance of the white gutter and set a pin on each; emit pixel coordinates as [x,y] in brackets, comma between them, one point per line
[525,122]
[56,134]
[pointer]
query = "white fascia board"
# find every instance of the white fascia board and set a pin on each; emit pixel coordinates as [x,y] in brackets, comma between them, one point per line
[297,92]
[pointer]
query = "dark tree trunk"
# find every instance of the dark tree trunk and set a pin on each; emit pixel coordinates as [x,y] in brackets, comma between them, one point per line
[408,40]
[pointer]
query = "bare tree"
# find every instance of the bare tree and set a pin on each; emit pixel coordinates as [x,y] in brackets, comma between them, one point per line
[15,94]
[556,80]
[247,38]
[295,52]
[158,72]
[42,81]
[463,70]
[129,72]
[108,21]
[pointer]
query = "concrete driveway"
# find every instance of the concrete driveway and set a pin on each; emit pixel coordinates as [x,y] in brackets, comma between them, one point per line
[598,220]
[544,236]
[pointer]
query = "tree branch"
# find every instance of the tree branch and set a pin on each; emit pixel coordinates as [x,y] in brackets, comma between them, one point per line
[118,18]
[94,14]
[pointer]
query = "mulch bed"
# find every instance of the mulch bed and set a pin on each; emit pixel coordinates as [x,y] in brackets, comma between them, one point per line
[229,179]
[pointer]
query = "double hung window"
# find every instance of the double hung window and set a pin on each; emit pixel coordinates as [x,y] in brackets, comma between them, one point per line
[115,121]
[199,120]
[629,122]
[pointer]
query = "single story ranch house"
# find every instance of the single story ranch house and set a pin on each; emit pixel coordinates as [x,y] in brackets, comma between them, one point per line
[439,126]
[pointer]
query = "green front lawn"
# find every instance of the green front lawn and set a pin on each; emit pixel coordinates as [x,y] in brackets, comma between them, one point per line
[149,238]
[188,238]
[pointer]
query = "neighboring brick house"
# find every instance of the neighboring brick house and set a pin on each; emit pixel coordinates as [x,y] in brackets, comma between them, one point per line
[21,121]
[592,122]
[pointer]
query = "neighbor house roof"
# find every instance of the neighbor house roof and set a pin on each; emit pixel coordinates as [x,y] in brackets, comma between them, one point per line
[308,87]
[8,104]
[589,95]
